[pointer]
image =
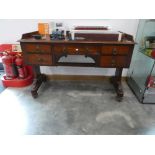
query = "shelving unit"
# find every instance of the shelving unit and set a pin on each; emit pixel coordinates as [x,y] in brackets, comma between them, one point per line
[141,74]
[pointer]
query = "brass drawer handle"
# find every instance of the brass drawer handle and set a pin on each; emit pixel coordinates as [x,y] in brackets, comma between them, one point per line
[114,51]
[37,47]
[113,62]
[87,49]
[40,60]
[39,50]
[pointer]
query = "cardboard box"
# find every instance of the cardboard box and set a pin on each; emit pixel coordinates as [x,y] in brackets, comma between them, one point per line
[43,28]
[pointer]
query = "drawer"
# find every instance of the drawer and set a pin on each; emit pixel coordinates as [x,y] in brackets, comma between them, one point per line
[39,59]
[114,61]
[76,49]
[93,49]
[37,48]
[115,50]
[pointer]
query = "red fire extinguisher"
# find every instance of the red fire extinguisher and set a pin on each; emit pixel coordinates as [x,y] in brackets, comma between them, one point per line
[9,66]
[22,71]
[150,82]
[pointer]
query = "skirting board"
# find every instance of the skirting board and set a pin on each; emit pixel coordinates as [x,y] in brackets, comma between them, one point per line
[79,77]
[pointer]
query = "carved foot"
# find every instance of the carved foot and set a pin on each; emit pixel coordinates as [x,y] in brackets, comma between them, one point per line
[118,88]
[120,94]
[44,78]
[37,83]
[34,94]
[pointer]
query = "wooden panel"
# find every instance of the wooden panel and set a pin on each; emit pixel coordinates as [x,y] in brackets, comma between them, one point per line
[76,49]
[115,50]
[114,61]
[39,59]
[37,48]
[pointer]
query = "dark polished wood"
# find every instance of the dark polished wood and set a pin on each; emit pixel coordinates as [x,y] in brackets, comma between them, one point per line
[37,83]
[116,81]
[106,54]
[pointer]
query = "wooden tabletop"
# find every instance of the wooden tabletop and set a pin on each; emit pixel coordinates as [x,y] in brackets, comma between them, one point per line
[32,40]
[27,38]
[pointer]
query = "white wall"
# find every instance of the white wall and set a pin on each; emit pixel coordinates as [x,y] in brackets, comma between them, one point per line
[12,29]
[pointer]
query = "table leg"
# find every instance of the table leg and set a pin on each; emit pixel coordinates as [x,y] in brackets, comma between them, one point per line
[39,78]
[116,81]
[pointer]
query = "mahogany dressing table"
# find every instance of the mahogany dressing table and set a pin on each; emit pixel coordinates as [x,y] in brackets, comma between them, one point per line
[106,54]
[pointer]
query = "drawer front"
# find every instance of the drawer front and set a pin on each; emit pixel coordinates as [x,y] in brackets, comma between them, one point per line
[115,50]
[114,61]
[93,49]
[37,48]
[39,59]
[76,49]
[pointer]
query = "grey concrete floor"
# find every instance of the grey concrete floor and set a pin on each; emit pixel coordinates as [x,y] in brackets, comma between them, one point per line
[73,108]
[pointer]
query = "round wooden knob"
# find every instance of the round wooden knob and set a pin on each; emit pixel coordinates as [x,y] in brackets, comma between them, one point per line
[114,51]
[37,46]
